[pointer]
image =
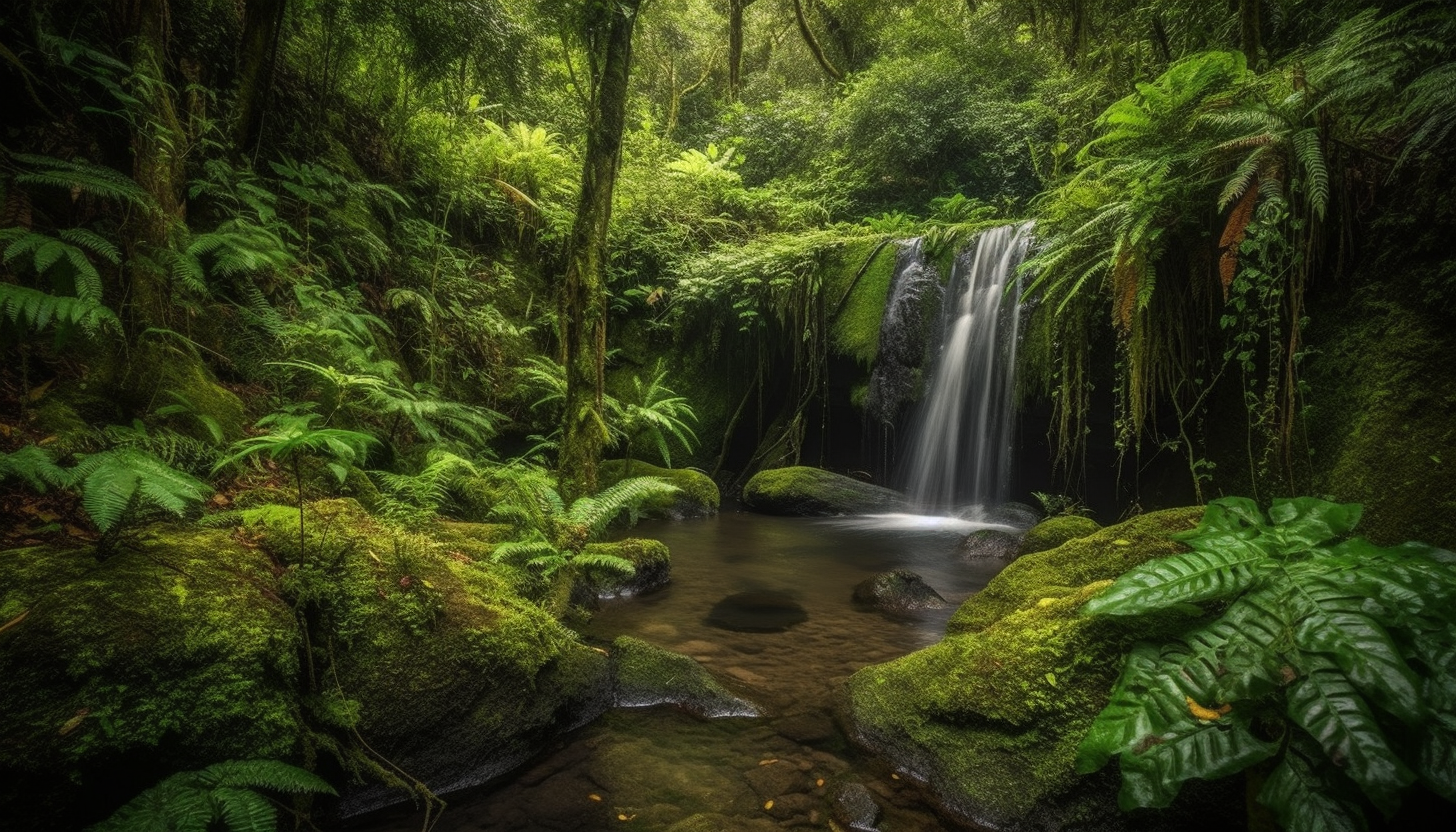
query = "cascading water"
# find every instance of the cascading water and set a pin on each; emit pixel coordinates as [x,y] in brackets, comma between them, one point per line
[960,446]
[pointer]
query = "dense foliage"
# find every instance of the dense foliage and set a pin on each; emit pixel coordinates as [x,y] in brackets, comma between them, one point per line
[1329,657]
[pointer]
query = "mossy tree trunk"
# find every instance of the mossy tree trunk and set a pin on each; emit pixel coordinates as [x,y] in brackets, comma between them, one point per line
[812,42]
[157,143]
[736,8]
[257,54]
[608,34]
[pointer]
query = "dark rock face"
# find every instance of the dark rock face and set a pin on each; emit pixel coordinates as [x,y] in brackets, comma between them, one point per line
[811,492]
[1020,515]
[898,591]
[855,807]
[990,544]
[648,675]
[757,612]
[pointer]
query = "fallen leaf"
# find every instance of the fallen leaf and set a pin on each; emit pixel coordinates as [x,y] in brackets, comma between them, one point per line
[596,797]
[768,805]
[75,722]
[819,784]
[768,762]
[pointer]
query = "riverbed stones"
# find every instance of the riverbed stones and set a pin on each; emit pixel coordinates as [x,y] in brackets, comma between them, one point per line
[801,491]
[645,674]
[775,778]
[762,611]
[856,808]
[989,545]
[897,591]
[991,716]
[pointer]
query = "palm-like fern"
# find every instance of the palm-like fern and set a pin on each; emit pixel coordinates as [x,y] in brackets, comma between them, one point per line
[423,492]
[1335,658]
[34,466]
[552,535]
[656,413]
[221,796]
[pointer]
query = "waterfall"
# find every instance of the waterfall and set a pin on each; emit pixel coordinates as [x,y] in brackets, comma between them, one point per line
[960,445]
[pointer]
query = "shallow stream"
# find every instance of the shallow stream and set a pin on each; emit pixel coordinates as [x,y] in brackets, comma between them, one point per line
[649,768]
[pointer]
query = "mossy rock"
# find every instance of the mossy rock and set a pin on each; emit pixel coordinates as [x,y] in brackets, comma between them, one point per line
[650,559]
[1102,555]
[645,675]
[897,591]
[187,651]
[991,716]
[172,656]
[697,494]
[155,368]
[1054,531]
[801,491]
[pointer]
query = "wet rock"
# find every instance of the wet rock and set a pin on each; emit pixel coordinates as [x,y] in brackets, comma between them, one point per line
[856,808]
[648,675]
[757,612]
[898,590]
[794,806]
[777,778]
[1054,531]
[650,560]
[811,492]
[990,544]
[712,822]
[1019,515]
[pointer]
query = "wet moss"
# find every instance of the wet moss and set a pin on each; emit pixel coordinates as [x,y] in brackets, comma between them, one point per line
[649,558]
[992,715]
[1054,531]
[697,493]
[171,656]
[859,298]
[645,674]
[801,491]
[162,373]
[1380,428]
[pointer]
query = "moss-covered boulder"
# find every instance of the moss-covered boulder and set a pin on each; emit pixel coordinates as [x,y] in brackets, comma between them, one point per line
[644,675]
[651,563]
[991,716]
[800,491]
[188,649]
[1054,531]
[990,544]
[697,494]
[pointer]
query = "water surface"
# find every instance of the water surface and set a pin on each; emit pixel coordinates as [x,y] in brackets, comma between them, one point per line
[648,769]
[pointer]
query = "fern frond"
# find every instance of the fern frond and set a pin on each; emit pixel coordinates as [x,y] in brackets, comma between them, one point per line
[34,310]
[80,175]
[597,562]
[116,482]
[263,774]
[596,512]
[34,466]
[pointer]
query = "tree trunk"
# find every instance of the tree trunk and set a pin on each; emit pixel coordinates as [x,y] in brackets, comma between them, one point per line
[735,45]
[813,43]
[1250,30]
[257,54]
[584,296]
[157,141]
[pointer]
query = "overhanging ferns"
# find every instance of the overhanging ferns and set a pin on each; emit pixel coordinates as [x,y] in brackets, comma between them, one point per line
[221,796]
[1336,660]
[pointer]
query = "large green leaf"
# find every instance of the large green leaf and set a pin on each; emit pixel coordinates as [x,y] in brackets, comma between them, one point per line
[1305,801]
[1243,654]
[1325,704]
[1436,761]
[1336,625]
[1303,522]
[1204,750]
[1228,566]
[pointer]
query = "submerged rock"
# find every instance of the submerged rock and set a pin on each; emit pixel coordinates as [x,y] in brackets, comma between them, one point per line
[989,544]
[645,675]
[856,808]
[757,612]
[990,718]
[898,590]
[813,492]
[1054,531]
[697,494]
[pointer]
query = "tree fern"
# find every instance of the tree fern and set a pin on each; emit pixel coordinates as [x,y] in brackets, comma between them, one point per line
[119,484]
[1338,643]
[222,795]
